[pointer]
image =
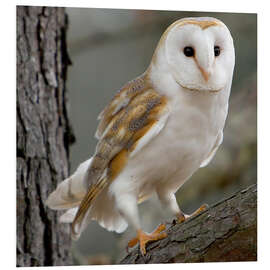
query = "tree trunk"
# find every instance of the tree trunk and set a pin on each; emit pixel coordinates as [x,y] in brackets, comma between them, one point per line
[43,134]
[225,232]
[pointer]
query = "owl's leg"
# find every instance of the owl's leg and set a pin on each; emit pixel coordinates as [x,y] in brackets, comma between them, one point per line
[127,206]
[169,202]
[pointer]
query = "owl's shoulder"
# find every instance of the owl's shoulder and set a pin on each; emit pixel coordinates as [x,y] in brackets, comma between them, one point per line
[121,100]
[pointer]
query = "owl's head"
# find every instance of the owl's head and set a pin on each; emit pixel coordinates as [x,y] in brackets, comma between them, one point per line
[198,53]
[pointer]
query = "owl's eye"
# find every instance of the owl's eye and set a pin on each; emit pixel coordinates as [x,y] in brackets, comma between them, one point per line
[217,50]
[189,51]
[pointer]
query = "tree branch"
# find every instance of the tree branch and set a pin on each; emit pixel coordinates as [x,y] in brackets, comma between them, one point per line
[227,231]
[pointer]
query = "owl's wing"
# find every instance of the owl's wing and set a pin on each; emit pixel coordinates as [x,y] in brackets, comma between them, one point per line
[214,150]
[128,123]
[121,99]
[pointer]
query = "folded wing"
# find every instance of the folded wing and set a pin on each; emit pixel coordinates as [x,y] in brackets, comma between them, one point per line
[135,115]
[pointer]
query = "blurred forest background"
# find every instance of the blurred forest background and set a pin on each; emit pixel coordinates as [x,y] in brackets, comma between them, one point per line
[109,47]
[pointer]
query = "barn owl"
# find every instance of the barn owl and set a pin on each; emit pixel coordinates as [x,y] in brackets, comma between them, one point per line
[155,133]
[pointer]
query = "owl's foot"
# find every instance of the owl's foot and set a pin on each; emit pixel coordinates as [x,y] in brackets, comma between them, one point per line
[182,217]
[143,238]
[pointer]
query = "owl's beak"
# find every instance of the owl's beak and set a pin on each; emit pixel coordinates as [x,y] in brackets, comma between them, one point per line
[204,67]
[206,73]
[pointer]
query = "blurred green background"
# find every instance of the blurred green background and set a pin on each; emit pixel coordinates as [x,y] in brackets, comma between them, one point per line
[109,47]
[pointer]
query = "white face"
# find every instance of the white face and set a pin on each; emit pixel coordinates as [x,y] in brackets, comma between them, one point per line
[200,59]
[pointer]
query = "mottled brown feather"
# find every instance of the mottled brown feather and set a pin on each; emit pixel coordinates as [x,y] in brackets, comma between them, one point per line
[139,134]
[92,193]
[121,100]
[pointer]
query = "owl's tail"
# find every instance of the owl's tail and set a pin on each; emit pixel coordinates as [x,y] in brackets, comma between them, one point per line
[69,194]
[102,210]
[71,191]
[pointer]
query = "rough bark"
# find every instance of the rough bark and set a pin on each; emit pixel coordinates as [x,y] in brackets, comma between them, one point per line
[43,134]
[227,231]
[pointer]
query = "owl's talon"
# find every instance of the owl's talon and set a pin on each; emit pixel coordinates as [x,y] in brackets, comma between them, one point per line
[180,218]
[143,238]
[160,228]
[199,210]
[132,242]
